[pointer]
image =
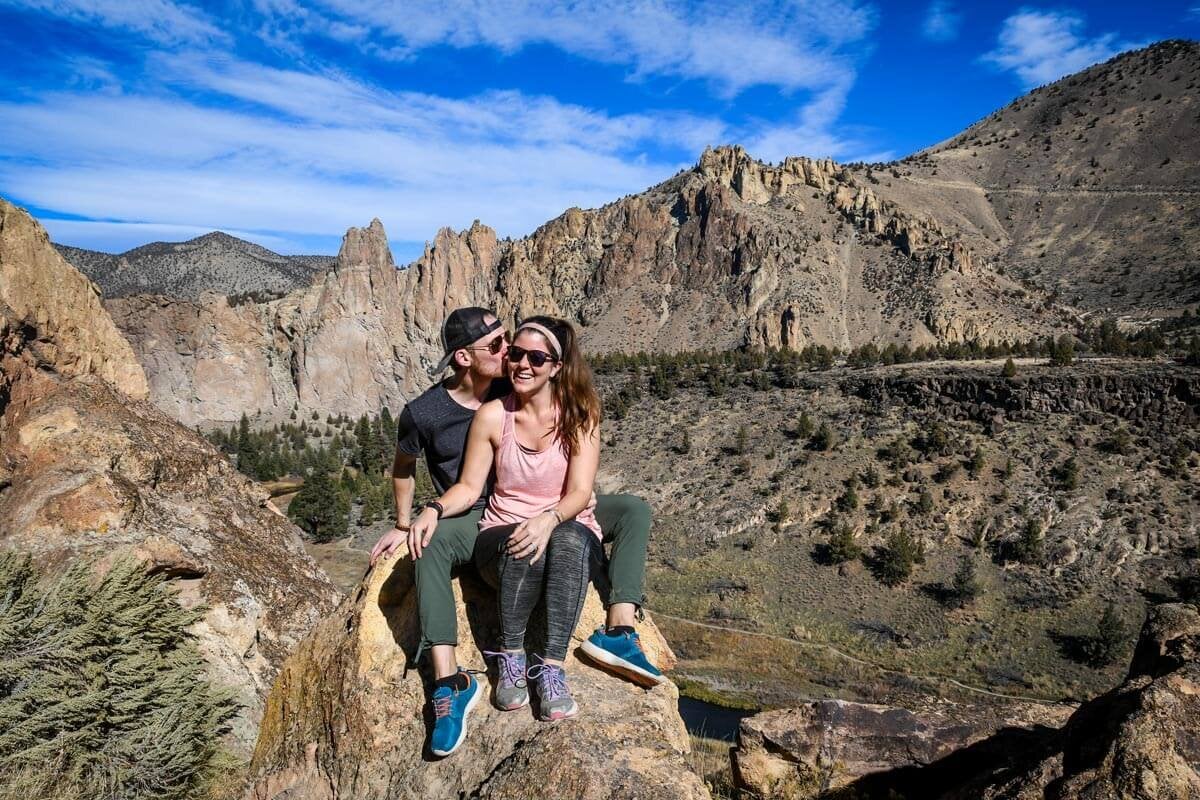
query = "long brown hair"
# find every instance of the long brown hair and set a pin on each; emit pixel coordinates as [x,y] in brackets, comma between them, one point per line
[574,391]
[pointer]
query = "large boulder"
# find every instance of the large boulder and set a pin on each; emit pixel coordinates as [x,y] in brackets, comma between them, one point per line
[830,744]
[348,717]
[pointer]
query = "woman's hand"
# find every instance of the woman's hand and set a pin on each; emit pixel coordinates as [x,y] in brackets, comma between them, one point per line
[422,531]
[530,538]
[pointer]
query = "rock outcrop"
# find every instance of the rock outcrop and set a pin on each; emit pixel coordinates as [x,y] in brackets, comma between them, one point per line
[1136,742]
[51,317]
[89,471]
[348,718]
[831,744]
[731,253]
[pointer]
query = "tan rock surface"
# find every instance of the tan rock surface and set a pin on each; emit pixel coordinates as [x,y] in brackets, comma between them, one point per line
[345,718]
[51,316]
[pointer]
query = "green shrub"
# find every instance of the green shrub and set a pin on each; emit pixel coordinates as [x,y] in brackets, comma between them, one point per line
[101,684]
[842,545]
[899,554]
[320,507]
[966,587]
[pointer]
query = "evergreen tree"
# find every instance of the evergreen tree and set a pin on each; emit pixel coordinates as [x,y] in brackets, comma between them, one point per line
[320,507]
[843,546]
[900,553]
[1062,352]
[823,438]
[804,426]
[1010,368]
[966,587]
[1068,474]
[1028,547]
[742,445]
[1106,645]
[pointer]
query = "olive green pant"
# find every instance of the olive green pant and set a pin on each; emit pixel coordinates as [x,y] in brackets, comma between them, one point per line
[624,520]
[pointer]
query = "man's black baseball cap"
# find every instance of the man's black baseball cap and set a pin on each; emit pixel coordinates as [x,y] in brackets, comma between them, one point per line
[463,327]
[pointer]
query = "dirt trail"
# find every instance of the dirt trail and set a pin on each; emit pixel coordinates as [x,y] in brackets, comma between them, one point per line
[1058,191]
[863,662]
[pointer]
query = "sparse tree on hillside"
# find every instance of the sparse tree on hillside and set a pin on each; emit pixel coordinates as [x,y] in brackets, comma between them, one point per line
[823,438]
[966,587]
[804,426]
[1109,638]
[899,554]
[1028,547]
[1010,368]
[843,546]
[1062,352]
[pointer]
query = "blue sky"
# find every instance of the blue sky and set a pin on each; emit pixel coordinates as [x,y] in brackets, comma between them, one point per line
[124,122]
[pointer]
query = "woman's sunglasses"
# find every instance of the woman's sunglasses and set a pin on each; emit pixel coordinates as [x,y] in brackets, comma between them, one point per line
[537,358]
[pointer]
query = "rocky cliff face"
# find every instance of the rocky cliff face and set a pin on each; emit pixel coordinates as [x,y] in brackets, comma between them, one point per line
[361,337]
[88,470]
[1136,742]
[732,253]
[51,317]
[347,718]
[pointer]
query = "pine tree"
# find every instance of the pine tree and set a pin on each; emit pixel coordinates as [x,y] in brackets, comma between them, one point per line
[843,546]
[966,587]
[742,444]
[804,426]
[823,438]
[1010,368]
[900,552]
[1106,645]
[1028,547]
[320,507]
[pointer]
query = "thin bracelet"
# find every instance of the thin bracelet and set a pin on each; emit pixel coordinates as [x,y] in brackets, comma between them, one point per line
[558,518]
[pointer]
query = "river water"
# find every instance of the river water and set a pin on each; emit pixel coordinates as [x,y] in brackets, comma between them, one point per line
[714,722]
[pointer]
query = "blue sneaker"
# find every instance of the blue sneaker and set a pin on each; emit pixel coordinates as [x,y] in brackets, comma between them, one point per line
[450,710]
[623,655]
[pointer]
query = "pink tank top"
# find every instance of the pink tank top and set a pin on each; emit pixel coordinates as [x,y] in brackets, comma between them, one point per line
[528,482]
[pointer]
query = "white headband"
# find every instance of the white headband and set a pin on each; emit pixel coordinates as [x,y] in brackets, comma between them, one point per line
[544,331]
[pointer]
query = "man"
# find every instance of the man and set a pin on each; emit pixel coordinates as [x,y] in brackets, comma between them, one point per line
[436,423]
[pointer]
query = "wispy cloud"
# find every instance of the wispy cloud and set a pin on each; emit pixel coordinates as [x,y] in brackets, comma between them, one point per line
[160,21]
[792,44]
[941,23]
[1043,46]
[196,137]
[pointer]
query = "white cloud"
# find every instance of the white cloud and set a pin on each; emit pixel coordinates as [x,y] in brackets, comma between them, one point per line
[789,44]
[941,22]
[160,21]
[1043,46]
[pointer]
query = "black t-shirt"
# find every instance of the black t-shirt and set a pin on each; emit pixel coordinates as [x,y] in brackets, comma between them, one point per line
[434,424]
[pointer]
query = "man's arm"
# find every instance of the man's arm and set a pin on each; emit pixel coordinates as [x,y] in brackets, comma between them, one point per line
[404,485]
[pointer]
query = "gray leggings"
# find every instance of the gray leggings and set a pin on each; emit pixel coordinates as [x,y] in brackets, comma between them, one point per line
[572,557]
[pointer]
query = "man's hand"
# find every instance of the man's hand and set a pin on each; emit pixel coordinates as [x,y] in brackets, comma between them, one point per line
[530,538]
[422,531]
[388,543]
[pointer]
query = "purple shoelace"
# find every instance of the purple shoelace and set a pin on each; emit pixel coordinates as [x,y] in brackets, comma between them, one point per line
[552,681]
[509,664]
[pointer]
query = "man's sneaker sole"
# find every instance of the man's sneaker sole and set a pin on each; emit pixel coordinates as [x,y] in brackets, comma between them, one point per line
[555,716]
[466,713]
[620,666]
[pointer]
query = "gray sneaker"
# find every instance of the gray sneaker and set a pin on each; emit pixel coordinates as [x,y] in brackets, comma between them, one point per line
[554,698]
[511,687]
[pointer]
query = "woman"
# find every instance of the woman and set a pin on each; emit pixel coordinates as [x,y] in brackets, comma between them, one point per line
[538,534]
